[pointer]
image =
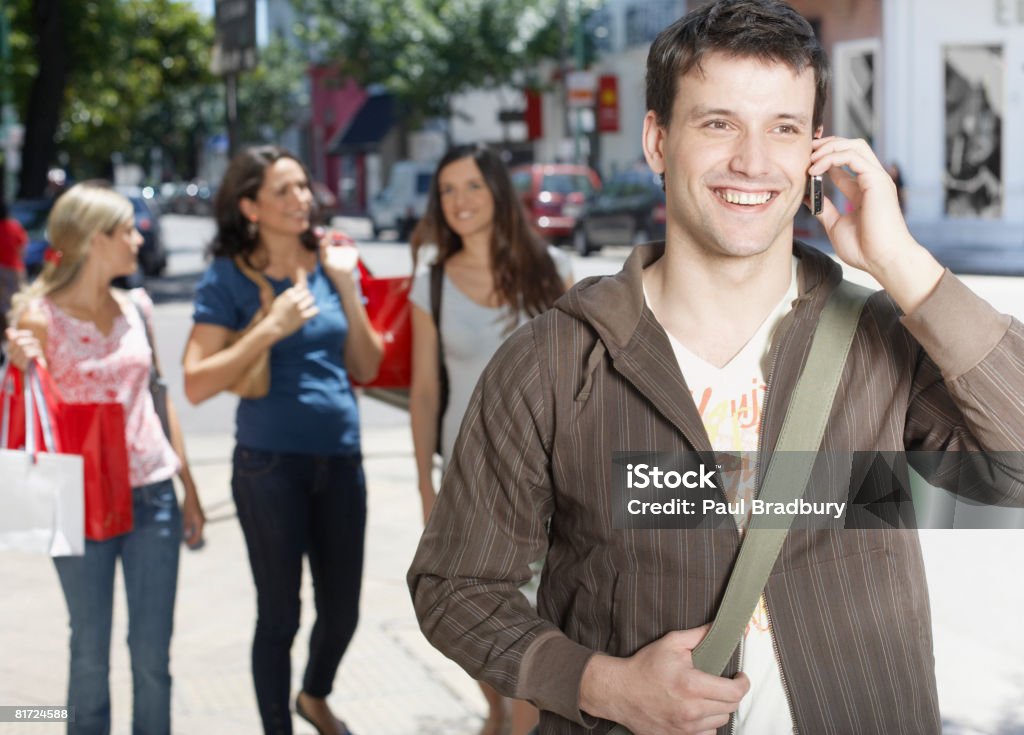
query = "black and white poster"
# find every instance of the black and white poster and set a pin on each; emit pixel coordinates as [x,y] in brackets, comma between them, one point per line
[974,122]
[856,103]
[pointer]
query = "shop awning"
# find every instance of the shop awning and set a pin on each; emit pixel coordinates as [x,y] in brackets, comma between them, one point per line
[368,127]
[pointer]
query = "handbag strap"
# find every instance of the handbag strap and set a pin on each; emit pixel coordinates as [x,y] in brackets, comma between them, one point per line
[266,290]
[436,289]
[788,472]
[154,369]
[803,427]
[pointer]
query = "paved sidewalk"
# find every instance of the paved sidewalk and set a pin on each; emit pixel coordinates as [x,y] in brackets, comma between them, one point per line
[391,681]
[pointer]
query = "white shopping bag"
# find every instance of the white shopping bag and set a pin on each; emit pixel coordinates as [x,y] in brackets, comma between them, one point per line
[42,495]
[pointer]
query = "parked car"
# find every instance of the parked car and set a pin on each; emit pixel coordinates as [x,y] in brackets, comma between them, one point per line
[553,195]
[629,210]
[400,204]
[196,197]
[31,214]
[326,201]
[152,253]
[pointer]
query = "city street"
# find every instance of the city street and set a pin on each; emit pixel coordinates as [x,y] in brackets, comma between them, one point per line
[391,681]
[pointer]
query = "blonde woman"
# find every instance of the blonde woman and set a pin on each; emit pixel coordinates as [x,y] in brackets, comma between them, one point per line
[93,340]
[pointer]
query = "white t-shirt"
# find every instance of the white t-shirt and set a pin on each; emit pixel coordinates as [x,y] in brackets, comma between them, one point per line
[730,400]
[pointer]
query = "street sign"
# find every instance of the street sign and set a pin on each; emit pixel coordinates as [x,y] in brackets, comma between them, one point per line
[581,87]
[510,116]
[608,103]
[235,47]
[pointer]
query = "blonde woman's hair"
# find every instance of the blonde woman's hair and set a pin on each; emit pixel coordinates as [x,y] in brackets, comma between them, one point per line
[77,216]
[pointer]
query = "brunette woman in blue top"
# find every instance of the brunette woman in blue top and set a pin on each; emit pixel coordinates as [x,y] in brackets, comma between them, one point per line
[297,474]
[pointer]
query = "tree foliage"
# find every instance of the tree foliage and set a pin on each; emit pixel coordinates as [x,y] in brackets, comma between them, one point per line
[136,78]
[273,96]
[427,51]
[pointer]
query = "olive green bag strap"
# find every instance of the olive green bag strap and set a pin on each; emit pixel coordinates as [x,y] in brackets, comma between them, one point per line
[788,472]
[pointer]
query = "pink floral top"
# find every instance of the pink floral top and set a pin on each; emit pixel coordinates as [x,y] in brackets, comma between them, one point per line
[89,367]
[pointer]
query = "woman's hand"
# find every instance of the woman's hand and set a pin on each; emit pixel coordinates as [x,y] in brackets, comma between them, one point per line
[193,520]
[338,256]
[23,347]
[427,496]
[293,308]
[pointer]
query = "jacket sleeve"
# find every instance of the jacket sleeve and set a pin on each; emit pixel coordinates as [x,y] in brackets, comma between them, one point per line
[488,525]
[968,395]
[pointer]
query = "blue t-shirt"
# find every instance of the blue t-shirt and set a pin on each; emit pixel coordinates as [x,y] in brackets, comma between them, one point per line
[310,408]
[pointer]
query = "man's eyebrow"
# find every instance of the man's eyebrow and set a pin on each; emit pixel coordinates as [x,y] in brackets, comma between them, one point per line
[701,112]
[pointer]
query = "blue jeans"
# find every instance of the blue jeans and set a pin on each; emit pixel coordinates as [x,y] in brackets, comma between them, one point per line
[290,505]
[149,557]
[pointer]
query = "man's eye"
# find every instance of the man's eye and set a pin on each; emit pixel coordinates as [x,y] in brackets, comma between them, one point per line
[717,124]
[788,129]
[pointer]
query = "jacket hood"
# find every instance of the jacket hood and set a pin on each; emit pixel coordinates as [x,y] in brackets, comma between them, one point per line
[589,300]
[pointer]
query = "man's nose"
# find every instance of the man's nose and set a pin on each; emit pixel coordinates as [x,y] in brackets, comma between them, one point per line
[751,157]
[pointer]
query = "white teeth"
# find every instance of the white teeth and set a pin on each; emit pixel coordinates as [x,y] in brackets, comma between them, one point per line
[742,197]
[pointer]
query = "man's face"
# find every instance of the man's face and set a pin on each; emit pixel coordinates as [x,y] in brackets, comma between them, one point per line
[735,155]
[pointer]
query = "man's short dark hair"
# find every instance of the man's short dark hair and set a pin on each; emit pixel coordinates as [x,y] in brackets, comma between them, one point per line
[769,30]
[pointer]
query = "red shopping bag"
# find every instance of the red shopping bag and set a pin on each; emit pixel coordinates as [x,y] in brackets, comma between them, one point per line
[387,306]
[14,399]
[96,432]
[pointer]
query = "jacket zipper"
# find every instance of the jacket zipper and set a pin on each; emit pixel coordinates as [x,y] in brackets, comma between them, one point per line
[757,491]
[733,718]
[778,662]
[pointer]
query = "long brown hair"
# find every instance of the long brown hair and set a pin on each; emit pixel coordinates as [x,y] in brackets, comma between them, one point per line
[525,276]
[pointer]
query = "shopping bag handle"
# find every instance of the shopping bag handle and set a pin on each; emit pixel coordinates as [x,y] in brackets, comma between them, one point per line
[49,445]
[32,392]
[5,408]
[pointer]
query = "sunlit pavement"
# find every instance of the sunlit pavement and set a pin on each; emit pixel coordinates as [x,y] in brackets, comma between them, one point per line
[391,681]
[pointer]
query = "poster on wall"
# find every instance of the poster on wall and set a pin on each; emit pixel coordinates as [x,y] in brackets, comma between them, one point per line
[974,123]
[856,106]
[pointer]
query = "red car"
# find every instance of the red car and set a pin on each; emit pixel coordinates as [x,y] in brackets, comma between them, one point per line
[553,195]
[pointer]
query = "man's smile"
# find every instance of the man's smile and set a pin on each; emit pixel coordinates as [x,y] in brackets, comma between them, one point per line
[745,200]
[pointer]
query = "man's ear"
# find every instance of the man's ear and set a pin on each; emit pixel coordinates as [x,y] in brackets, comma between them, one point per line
[820,131]
[653,142]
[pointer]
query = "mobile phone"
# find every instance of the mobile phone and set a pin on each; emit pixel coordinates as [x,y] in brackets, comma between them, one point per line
[815,195]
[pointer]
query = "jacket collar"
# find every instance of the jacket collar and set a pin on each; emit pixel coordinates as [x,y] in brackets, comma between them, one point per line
[639,346]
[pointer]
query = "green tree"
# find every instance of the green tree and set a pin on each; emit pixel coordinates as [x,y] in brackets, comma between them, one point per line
[427,51]
[105,76]
[273,96]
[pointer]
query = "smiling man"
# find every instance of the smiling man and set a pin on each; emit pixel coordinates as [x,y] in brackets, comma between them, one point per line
[696,346]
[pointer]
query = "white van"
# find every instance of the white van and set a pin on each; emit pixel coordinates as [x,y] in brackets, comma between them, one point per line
[400,204]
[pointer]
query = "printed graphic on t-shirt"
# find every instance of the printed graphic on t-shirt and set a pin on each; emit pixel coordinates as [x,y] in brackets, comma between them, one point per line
[731,412]
[730,401]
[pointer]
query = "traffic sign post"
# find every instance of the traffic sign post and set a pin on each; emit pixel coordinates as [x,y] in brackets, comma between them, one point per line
[234,52]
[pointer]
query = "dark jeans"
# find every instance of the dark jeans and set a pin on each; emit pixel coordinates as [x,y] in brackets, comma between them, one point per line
[290,505]
[149,556]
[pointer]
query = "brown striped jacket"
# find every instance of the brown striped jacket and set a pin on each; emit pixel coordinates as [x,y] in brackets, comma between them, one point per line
[597,374]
